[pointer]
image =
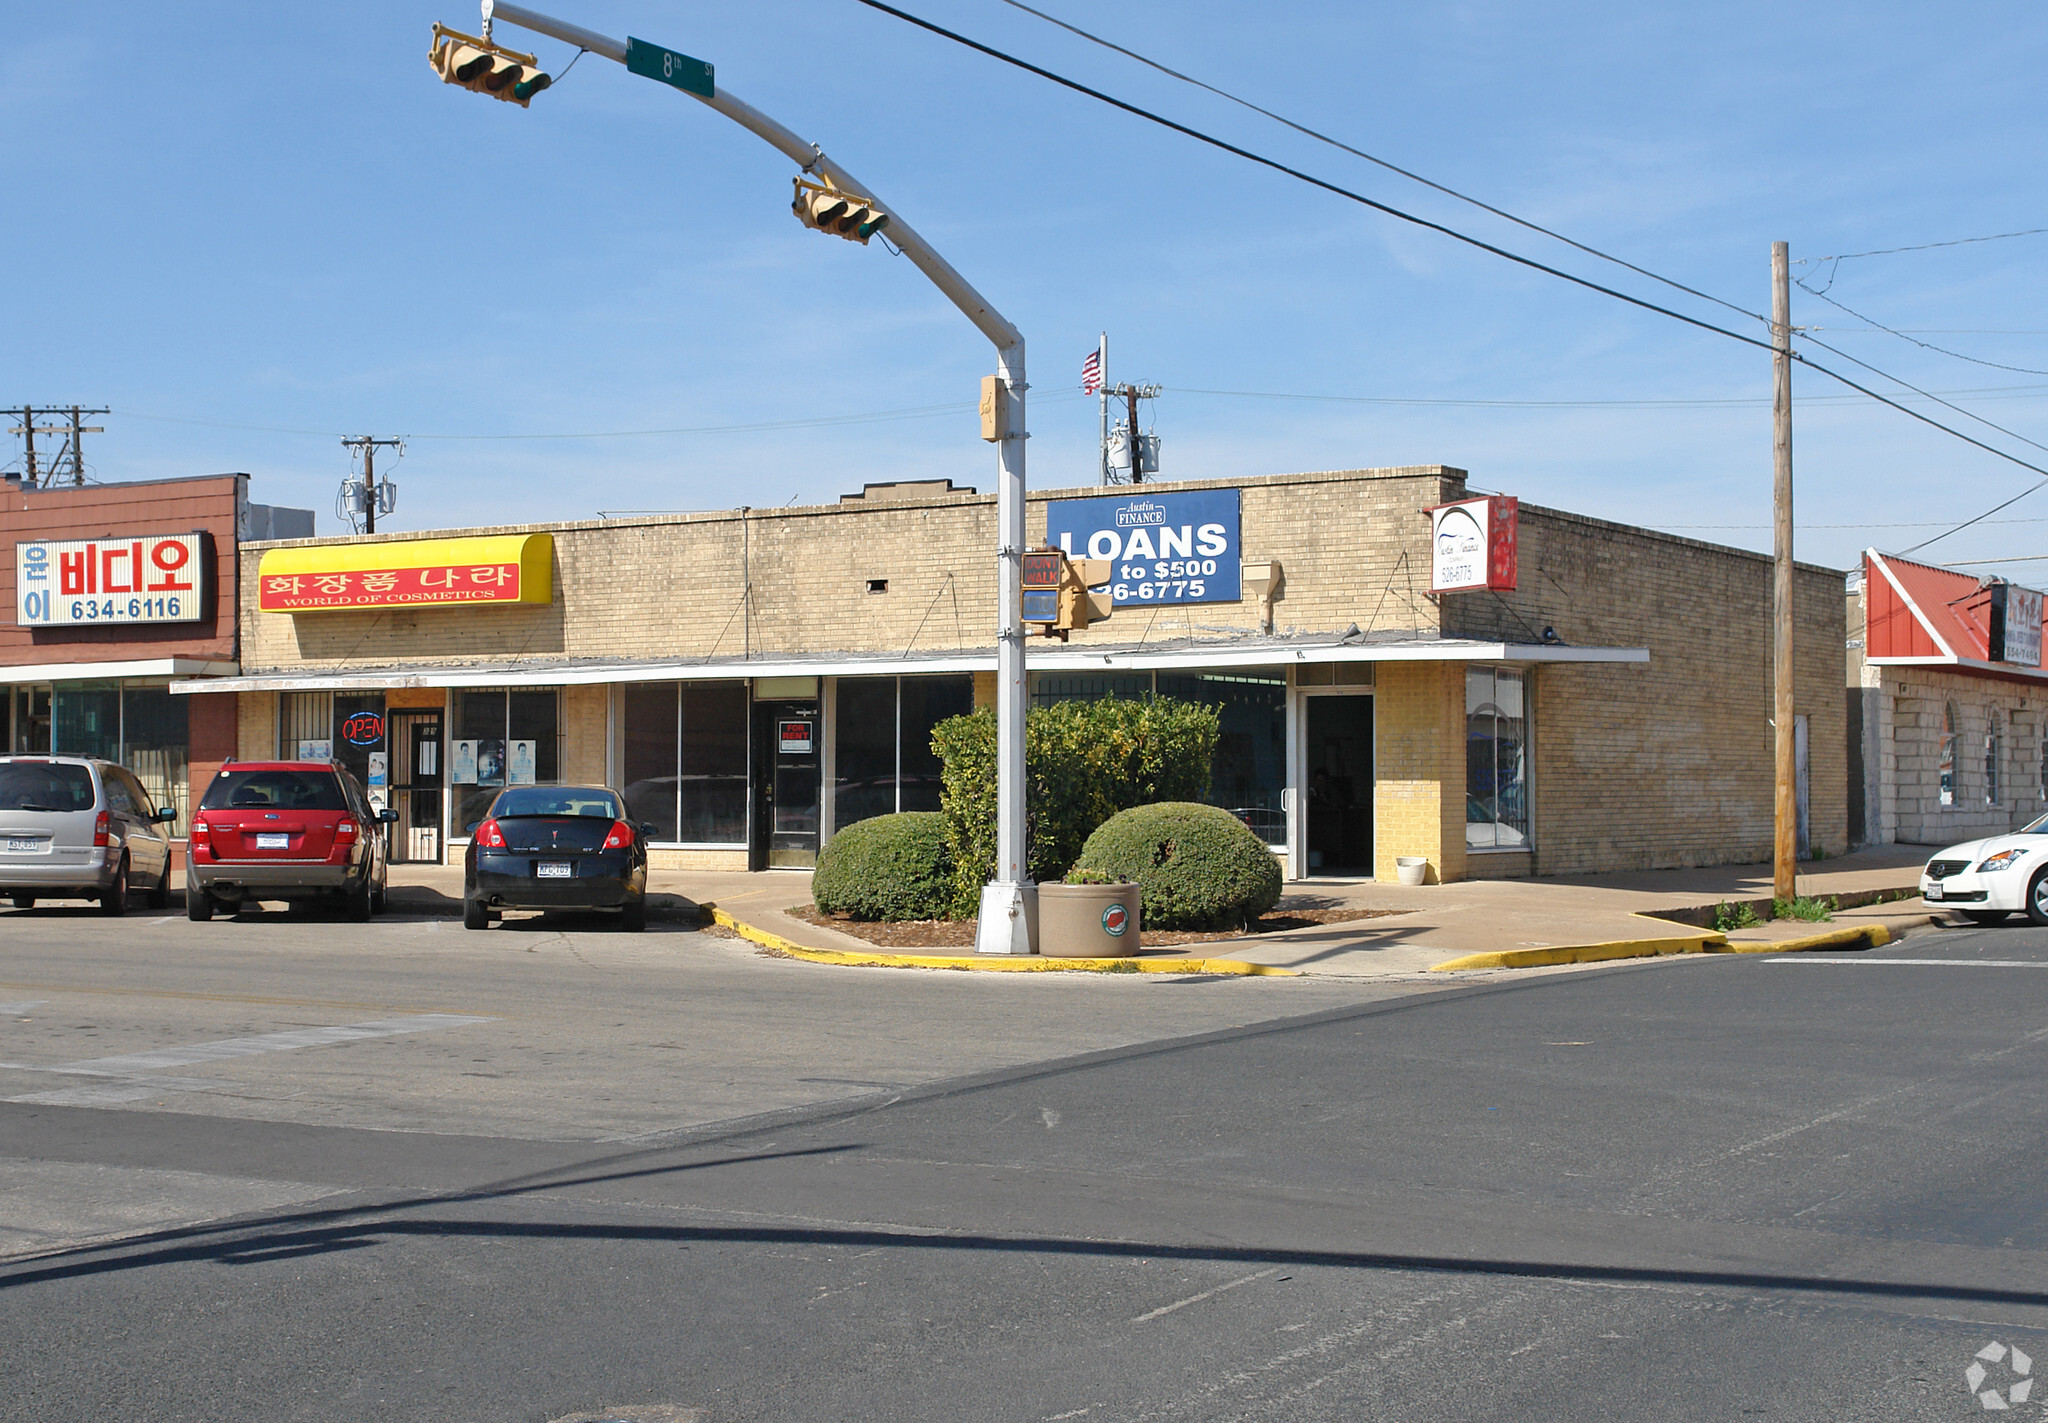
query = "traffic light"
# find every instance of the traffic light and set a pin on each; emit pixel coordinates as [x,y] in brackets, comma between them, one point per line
[484,68]
[841,214]
[1057,599]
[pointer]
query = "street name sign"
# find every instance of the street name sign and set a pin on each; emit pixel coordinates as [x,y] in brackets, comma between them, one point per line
[651,61]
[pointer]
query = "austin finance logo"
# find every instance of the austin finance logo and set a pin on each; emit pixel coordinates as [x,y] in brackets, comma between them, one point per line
[2009,1373]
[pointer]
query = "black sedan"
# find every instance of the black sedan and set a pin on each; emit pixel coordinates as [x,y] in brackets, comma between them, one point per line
[555,847]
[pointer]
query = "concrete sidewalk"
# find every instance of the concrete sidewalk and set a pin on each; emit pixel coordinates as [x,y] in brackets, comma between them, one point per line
[1654,911]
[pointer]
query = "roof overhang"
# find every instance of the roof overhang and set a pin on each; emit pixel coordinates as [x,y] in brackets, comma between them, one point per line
[112,671]
[1966,664]
[1066,659]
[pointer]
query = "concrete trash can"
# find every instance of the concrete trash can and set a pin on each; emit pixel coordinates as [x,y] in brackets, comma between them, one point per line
[1411,869]
[1088,921]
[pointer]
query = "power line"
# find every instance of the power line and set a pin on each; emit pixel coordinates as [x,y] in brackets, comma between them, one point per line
[1923,345]
[1465,238]
[1390,167]
[1706,403]
[1927,395]
[1930,246]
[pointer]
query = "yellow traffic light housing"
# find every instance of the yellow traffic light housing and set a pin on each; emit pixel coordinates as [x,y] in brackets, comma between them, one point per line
[821,206]
[1057,599]
[485,68]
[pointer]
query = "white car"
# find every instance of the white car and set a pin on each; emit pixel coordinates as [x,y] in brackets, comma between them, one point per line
[1990,878]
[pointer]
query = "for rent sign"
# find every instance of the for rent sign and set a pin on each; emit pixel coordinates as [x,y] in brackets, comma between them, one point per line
[1164,548]
[78,582]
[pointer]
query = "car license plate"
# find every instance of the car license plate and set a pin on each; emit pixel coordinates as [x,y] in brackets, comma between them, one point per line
[1933,892]
[23,844]
[554,869]
[278,841]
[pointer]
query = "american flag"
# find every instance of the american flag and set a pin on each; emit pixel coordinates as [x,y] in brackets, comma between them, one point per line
[1091,373]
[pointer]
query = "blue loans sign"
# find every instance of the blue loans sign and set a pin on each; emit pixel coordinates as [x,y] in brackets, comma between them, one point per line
[1165,548]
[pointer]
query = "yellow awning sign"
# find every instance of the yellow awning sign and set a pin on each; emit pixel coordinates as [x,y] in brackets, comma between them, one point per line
[420,573]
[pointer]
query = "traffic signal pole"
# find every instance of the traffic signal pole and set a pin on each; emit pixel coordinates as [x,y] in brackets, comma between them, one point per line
[1009,917]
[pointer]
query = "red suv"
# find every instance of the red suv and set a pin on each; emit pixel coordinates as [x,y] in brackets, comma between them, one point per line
[290,830]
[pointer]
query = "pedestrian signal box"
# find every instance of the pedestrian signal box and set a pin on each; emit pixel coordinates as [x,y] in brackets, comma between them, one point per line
[1056,596]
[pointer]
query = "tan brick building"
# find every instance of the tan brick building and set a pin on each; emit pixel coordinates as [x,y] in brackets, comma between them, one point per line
[757,679]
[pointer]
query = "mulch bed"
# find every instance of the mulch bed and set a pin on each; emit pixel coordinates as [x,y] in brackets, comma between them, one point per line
[959,933]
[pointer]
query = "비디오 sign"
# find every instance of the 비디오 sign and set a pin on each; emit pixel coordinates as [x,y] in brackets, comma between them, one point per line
[79,582]
[504,568]
[1162,548]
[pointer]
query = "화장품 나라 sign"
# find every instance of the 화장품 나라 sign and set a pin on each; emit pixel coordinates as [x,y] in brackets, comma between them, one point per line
[80,582]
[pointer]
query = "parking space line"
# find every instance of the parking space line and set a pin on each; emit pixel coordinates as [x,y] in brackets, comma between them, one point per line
[135,1070]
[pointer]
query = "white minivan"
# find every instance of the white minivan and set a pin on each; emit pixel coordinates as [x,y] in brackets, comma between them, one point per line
[76,827]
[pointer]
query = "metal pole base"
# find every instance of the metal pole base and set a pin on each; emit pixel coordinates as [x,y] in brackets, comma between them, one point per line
[1009,919]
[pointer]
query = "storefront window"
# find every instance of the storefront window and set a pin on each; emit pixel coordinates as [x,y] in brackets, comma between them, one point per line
[156,746]
[1496,760]
[684,760]
[1994,743]
[86,720]
[1251,752]
[883,742]
[1948,753]
[32,721]
[1251,748]
[501,738]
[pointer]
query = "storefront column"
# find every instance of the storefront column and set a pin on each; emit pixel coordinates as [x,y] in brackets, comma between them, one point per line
[1419,767]
[256,726]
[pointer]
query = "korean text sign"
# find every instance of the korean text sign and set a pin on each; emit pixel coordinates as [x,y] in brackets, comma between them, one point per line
[410,573]
[76,582]
[1164,548]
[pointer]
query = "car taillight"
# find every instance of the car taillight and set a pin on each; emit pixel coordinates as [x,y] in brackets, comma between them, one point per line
[621,836]
[489,835]
[346,829]
[200,831]
[102,828]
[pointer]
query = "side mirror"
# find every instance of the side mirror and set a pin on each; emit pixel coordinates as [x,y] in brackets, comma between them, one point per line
[647,829]
[166,817]
[388,816]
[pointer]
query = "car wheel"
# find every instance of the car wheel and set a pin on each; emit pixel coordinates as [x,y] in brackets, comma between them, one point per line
[24,901]
[633,918]
[198,904]
[160,892]
[114,898]
[1986,916]
[2037,899]
[355,903]
[474,915]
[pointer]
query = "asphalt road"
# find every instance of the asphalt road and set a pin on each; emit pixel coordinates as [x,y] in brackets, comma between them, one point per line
[1702,1188]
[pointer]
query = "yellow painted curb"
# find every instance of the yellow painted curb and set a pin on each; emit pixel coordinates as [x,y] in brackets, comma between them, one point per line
[1585,953]
[1876,935]
[993,963]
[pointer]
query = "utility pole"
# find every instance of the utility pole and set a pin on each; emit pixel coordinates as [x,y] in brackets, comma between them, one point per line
[367,446]
[1785,846]
[1102,402]
[70,456]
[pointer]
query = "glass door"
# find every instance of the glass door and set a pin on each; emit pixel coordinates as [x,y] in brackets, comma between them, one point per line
[788,750]
[416,780]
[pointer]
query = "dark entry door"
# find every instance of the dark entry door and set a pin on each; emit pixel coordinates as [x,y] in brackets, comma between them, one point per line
[1339,765]
[788,780]
[417,774]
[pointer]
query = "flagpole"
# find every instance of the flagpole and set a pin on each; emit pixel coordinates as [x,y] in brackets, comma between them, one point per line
[1102,400]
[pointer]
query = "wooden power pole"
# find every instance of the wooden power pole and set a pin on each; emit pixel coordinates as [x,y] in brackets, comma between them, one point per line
[1785,842]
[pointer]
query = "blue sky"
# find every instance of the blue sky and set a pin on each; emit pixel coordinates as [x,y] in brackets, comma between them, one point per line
[251,229]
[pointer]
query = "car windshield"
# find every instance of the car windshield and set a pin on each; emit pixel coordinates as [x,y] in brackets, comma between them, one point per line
[557,800]
[311,789]
[2039,827]
[48,785]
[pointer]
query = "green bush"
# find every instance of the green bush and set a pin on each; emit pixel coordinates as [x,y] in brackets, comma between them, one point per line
[890,867]
[1734,916]
[1083,762]
[1199,866]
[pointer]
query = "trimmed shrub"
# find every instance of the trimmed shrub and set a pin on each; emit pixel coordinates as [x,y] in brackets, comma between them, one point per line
[890,867]
[1199,866]
[1083,762]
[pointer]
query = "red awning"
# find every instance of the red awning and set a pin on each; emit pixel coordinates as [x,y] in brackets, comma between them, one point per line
[1916,613]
